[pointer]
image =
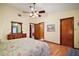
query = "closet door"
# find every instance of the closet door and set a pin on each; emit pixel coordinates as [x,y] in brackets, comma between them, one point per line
[41,30]
[67,32]
[37,31]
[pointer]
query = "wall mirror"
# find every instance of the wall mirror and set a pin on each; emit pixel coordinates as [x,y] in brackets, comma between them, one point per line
[16,27]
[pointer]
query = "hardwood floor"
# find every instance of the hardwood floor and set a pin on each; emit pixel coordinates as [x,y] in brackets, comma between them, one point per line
[58,50]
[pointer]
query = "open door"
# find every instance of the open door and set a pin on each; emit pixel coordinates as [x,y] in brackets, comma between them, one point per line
[41,30]
[37,30]
[67,32]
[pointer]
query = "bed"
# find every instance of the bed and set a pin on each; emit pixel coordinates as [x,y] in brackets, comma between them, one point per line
[24,47]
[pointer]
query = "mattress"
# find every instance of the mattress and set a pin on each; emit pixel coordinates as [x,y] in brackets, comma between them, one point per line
[24,47]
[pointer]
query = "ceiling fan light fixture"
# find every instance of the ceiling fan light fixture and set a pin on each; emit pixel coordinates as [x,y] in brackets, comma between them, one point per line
[34,12]
[31,14]
[37,12]
[36,15]
[32,9]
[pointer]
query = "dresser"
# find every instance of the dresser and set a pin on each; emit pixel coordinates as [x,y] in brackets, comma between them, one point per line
[16,36]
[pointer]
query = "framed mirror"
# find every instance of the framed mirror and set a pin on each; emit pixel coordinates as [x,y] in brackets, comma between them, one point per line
[16,27]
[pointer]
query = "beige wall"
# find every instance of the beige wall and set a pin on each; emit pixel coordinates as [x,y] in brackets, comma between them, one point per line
[54,18]
[8,14]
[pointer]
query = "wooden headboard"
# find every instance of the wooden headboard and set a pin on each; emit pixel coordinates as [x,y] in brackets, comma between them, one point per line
[16,36]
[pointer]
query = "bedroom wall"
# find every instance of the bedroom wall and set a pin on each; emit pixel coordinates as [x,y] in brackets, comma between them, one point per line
[54,18]
[8,14]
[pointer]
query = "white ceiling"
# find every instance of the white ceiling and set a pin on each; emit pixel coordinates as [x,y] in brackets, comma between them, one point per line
[48,7]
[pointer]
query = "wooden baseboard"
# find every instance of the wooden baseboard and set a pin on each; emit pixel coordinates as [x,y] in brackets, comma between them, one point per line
[56,43]
[76,48]
[50,42]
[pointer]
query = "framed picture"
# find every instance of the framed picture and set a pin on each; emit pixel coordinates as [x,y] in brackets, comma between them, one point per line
[51,28]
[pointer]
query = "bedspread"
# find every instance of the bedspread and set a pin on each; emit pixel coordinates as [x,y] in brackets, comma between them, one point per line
[26,47]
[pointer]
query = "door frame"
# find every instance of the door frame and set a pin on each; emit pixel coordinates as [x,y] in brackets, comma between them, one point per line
[72,29]
[34,24]
[30,29]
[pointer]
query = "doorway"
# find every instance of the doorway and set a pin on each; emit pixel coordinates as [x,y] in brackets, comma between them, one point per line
[67,31]
[37,31]
[31,30]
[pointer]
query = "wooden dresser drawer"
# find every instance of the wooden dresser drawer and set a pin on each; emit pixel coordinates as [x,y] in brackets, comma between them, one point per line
[16,36]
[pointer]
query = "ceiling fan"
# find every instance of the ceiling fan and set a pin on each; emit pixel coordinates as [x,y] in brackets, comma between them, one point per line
[33,12]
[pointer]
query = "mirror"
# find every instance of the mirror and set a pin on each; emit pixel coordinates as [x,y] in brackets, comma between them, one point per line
[16,27]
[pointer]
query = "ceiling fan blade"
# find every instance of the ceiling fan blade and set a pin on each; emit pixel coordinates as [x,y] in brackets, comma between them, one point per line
[39,15]
[42,11]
